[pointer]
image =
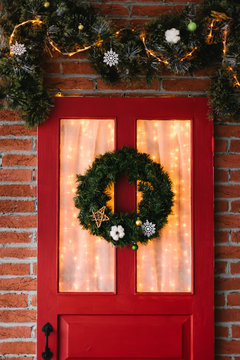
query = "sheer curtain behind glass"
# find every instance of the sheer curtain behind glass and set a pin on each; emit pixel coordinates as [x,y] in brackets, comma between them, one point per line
[86,263]
[164,265]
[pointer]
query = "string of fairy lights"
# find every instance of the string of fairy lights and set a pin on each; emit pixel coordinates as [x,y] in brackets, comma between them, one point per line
[221,20]
[217,22]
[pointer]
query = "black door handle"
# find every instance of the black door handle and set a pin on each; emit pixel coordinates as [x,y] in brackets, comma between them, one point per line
[47,329]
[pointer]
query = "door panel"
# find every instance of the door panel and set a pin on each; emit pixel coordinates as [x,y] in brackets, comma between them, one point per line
[125,336]
[162,325]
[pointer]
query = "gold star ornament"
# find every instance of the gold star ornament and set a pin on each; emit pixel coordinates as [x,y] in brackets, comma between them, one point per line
[99,216]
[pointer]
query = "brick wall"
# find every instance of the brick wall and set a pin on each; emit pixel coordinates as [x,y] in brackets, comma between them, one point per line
[18,187]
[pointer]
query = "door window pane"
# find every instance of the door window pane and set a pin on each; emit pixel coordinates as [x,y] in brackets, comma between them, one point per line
[164,265]
[86,262]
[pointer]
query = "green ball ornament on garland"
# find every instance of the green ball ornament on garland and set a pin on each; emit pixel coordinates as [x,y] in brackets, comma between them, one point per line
[123,229]
[192,26]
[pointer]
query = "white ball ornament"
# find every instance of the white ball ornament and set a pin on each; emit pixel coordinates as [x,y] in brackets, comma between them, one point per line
[172,36]
[117,232]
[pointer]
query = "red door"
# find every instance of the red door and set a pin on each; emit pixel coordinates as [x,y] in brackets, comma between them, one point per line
[160,308]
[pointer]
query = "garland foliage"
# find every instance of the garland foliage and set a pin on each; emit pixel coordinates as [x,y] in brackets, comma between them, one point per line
[154,183]
[40,27]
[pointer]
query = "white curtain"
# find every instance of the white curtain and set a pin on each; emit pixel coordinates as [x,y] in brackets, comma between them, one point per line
[164,265]
[86,262]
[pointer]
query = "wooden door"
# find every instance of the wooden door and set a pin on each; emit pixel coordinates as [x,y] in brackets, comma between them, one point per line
[129,322]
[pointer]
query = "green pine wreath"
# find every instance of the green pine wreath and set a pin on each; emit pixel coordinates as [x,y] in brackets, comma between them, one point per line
[122,229]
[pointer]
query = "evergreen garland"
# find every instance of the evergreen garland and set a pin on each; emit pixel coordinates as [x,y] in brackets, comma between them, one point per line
[70,26]
[154,183]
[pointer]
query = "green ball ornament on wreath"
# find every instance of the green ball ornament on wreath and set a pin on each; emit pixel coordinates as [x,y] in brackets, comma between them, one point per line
[123,229]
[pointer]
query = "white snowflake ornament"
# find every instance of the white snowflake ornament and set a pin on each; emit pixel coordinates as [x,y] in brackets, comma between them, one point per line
[117,232]
[17,49]
[172,36]
[110,58]
[148,228]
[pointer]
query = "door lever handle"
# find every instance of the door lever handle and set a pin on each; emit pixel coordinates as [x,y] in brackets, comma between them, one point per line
[47,329]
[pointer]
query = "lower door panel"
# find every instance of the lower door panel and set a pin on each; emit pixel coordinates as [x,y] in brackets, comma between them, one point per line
[124,336]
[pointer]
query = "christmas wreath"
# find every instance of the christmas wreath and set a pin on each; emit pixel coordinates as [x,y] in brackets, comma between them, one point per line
[183,43]
[123,229]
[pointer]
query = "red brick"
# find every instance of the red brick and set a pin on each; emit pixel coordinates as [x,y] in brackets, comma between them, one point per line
[17,130]
[18,221]
[34,268]
[226,131]
[52,68]
[15,144]
[34,300]
[8,206]
[175,1]
[234,299]
[124,85]
[15,175]
[185,85]
[20,358]
[112,9]
[227,221]
[17,348]
[227,347]
[221,237]
[13,237]
[14,269]
[19,160]
[235,206]
[15,332]
[77,68]
[227,283]
[220,145]
[78,83]
[236,331]
[227,252]
[9,115]
[205,71]
[235,268]
[220,175]
[227,161]
[18,252]
[235,146]
[153,10]
[221,331]
[224,315]
[220,206]
[235,236]
[13,300]
[20,284]
[220,267]
[18,190]
[219,300]
[235,175]
[226,191]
